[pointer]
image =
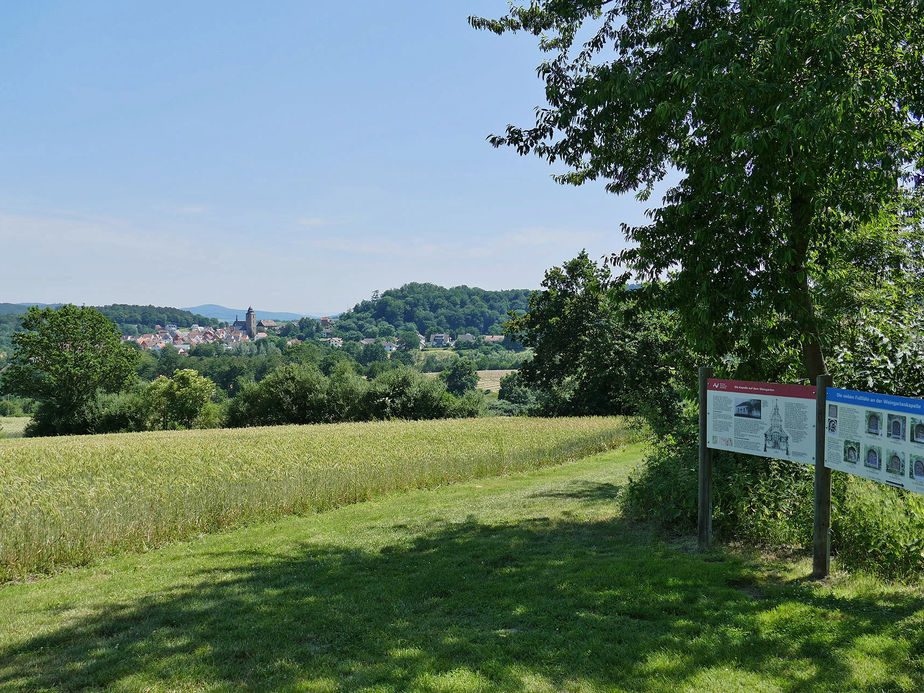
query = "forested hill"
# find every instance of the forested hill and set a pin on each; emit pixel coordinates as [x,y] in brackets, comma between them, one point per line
[131,319]
[428,308]
[144,318]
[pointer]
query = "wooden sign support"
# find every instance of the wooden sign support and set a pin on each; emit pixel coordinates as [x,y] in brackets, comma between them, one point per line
[821,562]
[705,467]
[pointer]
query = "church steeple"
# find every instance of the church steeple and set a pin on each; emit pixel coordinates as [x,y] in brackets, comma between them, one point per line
[251,321]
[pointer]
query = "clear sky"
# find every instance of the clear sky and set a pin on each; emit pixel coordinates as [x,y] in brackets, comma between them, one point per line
[286,155]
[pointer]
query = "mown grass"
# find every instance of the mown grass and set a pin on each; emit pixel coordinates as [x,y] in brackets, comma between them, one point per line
[490,380]
[13,426]
[66,501]
[532,582]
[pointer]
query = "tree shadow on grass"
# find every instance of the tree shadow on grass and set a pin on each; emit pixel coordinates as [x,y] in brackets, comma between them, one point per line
[588,491]
[538,604]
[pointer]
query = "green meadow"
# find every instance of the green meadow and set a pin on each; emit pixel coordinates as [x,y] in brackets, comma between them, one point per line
[528,582]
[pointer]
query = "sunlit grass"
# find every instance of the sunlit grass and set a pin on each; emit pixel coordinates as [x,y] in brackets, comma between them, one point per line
[13,426]
[528,582]
[490,380]
[65,501]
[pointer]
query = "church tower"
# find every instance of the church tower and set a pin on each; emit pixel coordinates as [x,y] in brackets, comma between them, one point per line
[251,321]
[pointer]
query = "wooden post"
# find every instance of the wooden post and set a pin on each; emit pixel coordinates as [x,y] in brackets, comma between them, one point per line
[705,467]
[821,563]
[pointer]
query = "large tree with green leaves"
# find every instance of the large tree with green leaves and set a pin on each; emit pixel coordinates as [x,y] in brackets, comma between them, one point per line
[598,347]
[63,358]
[789,122]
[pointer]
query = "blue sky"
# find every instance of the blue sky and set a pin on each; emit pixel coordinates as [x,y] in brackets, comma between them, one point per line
[289,155]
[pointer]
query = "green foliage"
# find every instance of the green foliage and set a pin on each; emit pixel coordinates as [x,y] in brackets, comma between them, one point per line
[437,363]
[427,308]
[62,359]
[789,123]
[371,353]
[406,394]
[771,503]
[598,345]
[460,377]
[180,399]
[292,394]
[144,318]
[10,408]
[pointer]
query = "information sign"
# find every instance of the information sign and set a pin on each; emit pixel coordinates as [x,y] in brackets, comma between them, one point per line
[880,437]
[766,419]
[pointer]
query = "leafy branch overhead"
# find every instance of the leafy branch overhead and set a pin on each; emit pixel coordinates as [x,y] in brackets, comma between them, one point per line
[787,122]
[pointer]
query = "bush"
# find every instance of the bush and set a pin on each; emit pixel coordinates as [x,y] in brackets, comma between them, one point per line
[468,406]
[292,394]
[8,408]
[771,503]
[406,394]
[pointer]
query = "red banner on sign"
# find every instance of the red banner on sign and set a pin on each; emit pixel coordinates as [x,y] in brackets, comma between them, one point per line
[746,387]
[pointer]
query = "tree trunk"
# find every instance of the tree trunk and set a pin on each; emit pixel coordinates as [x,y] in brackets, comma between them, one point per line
[800,295]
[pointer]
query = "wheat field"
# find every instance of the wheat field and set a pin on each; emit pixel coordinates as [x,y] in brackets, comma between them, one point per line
[66,501]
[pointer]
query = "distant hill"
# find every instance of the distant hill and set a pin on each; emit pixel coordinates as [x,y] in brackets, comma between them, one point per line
[130,318]
[210,310]
[428,308]
[18,308]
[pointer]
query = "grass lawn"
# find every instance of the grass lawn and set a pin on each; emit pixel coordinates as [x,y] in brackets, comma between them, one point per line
[530,582]
[13,426]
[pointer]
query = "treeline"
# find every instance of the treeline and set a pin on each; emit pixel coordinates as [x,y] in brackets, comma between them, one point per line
[131,319]
[9,323]
[83,379]
[429,309]
[135,320]
[295,393]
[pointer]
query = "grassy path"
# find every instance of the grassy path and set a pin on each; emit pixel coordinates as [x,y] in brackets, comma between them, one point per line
[531,582]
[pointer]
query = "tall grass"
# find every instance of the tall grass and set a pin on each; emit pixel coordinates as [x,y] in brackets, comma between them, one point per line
[66,501]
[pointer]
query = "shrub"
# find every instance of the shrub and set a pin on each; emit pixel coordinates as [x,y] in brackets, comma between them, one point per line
[8,408]
[405,394]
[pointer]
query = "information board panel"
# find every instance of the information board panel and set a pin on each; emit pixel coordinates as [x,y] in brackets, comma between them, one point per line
[880,437]
[766,419]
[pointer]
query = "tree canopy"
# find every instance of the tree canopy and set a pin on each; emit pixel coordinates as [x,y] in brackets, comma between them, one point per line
[428,308]
[598,347]
[789,123]
[63,358]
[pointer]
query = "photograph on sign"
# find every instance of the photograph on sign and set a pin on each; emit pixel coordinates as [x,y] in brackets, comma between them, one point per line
[876,436]
[766,419]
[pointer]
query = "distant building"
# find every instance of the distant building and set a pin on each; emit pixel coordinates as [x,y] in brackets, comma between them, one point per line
[494,338]
[467,337]
[248,324]
[440,340]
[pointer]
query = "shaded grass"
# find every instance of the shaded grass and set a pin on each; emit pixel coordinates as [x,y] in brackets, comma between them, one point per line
[533,582]
[66,501]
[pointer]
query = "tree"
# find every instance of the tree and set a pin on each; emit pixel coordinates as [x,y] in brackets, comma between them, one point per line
[599,347]
[790,122]
[372,353]
[460,377]
[409,340]
[63,358]
[181,398]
